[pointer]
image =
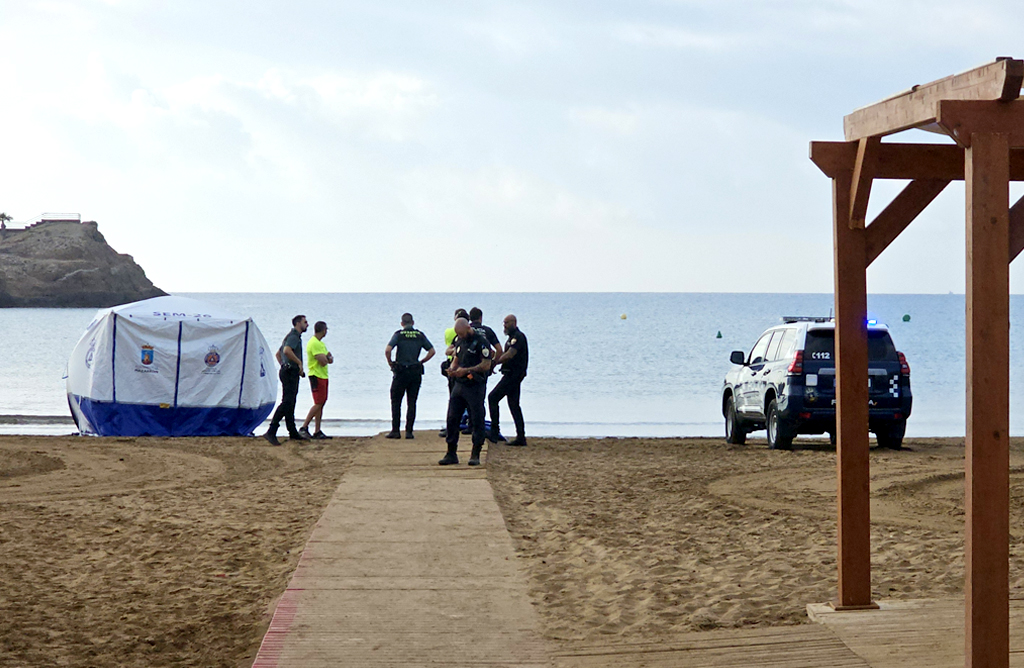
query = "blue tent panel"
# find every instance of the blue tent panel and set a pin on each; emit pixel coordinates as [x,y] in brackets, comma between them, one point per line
[119,419]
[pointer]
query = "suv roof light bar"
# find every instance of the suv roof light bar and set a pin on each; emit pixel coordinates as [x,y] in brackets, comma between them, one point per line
[805,318]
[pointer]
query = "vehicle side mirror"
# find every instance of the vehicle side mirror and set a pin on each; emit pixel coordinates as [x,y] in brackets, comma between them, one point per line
[738,357]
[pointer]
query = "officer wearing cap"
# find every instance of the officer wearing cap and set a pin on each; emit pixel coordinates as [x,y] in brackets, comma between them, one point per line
[407,368]
[471,363]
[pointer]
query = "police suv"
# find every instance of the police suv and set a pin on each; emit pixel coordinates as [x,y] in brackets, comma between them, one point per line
[786,385]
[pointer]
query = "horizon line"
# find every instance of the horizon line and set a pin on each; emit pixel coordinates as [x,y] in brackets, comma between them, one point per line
[543,292]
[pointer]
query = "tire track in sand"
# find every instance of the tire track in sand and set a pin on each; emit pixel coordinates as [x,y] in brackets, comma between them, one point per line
[106,467]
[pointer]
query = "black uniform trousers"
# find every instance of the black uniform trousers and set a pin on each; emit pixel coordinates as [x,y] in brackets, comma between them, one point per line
[289,376]
[508,386]
[406,382]
[466,396]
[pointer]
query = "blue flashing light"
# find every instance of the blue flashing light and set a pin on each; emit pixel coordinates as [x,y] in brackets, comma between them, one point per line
[872,322]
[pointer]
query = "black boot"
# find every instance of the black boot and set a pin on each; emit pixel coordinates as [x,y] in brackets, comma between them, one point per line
[449,459]
[474,458]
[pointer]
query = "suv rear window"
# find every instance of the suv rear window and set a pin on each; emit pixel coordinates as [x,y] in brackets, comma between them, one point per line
[821,344]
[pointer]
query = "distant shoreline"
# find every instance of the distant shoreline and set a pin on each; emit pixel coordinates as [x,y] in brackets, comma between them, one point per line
[36,419]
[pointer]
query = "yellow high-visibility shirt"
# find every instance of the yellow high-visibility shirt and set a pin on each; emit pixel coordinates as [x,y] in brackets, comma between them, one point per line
[313,348]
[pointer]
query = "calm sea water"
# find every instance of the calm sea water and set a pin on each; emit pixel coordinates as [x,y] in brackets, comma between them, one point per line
[658,372]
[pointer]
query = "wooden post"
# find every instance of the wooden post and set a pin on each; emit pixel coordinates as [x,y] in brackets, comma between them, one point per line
[986,545]
[854,559]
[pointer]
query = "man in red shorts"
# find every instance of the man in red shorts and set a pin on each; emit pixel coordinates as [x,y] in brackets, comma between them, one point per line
[317,359]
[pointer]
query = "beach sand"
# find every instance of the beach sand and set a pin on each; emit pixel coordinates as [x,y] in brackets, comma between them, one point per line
[151,552]
[143,552]
[640,539]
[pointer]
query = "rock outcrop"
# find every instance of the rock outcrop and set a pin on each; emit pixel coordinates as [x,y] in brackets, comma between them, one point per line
[67,264]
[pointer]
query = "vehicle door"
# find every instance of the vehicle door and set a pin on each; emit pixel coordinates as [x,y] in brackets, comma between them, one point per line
[770,376]
[751,382]
[883,371]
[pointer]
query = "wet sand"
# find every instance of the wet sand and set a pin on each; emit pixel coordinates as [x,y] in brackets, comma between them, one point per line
[143,552]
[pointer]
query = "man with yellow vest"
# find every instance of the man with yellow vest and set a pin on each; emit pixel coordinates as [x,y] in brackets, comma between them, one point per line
[317,359]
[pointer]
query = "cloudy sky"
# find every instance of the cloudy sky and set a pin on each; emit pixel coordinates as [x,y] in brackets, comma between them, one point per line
[473,146]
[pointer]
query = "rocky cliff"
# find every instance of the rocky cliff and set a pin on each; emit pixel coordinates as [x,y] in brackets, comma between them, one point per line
[67,264]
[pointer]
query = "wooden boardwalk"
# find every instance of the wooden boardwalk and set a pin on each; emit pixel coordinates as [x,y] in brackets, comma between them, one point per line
[911,634]
[807,646]
[410,565]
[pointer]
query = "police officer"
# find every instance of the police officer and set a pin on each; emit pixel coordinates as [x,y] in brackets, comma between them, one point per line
[513,363]
[289,356]
[476,317]
[470,364]
[408,373]
[449,339]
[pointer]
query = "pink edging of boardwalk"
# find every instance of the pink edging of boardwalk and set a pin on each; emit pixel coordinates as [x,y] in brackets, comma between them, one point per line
[273,642]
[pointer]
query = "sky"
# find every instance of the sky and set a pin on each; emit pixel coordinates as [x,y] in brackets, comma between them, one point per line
[409,146]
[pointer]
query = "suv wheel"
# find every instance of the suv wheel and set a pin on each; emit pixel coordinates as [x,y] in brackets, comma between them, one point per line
[780,434]
[891,435]
[734,432]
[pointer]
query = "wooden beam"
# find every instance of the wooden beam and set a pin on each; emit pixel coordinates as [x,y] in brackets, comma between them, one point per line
[902,211]
[894,161]
[1016,229]
[963,119]
[987,455]
[1000,80]
[863,174]
[904,161]
[851,346]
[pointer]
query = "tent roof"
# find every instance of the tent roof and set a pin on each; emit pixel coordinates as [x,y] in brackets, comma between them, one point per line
[171,308]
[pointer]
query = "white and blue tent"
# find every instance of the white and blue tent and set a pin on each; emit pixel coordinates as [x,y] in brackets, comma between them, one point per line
[170,366]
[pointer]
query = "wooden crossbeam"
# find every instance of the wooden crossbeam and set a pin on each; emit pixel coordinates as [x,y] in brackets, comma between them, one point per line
[1000,80]
[904,161]
[1016,229]
[962,119]
[902,211]
[893,161]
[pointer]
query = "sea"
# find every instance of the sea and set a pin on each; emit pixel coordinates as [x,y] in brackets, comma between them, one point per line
[601,364]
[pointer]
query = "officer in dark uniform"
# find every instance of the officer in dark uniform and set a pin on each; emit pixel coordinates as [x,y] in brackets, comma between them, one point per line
[408,373]
[513,363]
[470,364]
[289,356]
[449,340]
[476,317]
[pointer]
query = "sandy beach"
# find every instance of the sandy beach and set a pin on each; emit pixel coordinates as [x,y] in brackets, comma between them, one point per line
[151,552]
[642,539]
[142,552]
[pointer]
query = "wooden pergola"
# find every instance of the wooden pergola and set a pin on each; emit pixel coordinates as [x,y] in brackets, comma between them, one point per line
[981,112]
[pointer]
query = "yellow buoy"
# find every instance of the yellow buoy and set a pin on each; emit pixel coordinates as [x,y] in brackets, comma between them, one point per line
[623,316]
